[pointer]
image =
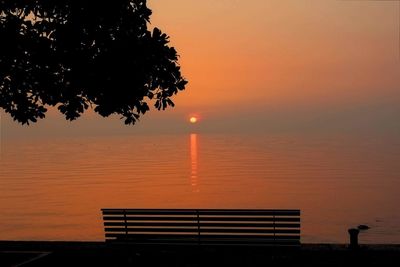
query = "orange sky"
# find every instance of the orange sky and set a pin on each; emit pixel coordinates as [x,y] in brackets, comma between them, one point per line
[272,60]
[273,52]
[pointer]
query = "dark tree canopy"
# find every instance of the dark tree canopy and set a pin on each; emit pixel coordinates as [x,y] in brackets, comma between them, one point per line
[76,54]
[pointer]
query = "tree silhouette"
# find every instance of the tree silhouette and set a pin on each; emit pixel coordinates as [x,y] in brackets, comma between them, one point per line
[79,54]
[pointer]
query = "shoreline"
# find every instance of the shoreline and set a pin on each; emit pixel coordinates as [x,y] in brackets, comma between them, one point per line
[58,243]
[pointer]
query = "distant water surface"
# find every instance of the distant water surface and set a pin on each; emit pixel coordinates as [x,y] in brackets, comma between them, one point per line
[53,189]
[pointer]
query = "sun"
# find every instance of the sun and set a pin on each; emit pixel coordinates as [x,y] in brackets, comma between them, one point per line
[193,119]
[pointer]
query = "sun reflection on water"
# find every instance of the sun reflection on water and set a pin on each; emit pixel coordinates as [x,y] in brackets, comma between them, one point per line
[194,163]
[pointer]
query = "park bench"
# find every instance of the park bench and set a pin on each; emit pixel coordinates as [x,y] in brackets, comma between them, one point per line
[224,227]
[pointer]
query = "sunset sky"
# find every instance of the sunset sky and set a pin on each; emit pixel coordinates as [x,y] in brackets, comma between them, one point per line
[275,66]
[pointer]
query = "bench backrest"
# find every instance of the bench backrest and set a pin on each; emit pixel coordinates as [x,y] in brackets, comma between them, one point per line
[203,226]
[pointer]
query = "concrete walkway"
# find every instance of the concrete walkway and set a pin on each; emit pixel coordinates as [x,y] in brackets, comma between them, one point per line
[27,254]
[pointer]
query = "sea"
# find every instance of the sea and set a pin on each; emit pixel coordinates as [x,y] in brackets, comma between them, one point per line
[54,188]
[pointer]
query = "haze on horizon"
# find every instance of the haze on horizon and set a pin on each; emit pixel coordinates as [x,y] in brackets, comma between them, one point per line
[268,65]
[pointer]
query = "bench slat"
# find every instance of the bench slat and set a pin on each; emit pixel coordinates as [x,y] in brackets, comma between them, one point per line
[152,236]
[204,230]
[148,212]
[250,242]
[201,224]
[253,238]
[261,231]
[183,218]
[200,211]
[144,223]
[137,230]
[148,218]
[251,212]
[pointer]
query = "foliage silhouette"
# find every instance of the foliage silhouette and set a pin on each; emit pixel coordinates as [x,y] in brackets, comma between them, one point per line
[80,54]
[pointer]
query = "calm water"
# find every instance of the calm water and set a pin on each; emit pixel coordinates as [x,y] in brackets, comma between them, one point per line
[53,189]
